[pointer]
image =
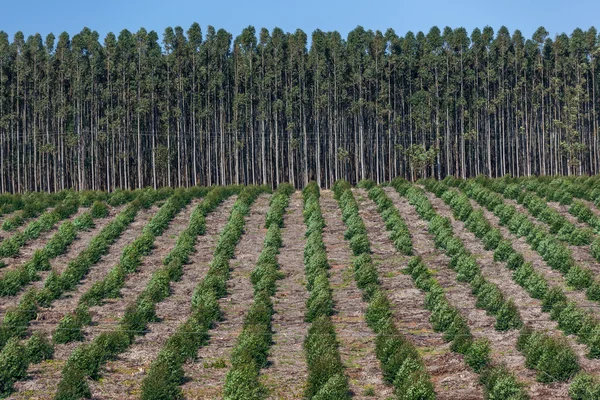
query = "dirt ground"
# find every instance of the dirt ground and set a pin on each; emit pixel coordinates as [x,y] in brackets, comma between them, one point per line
[529,308]
[581,254]
[60,263]
[503,344]
[122,377]
[206,375]
[554,278]
[451,377]
[286,374]
[43,378]
[26,252]
[357,340]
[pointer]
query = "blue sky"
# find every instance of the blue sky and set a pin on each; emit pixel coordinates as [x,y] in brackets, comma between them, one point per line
[556,16]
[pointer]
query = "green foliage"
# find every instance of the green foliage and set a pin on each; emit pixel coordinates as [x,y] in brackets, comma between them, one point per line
[38,348]
[478,354]
[501,384]
[13,365]
[99,210]
[584,387]
[166,372]
[323,358]
[551,356]
[412,381]
[10,246]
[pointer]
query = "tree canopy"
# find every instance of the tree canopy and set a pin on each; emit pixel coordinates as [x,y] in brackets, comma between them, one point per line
[197,107]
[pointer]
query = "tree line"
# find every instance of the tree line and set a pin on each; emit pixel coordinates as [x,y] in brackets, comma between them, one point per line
[264,107]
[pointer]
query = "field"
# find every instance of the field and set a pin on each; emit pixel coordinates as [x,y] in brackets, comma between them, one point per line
[453,289]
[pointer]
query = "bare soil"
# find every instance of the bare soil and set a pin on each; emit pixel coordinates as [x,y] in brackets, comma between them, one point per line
[503,344]
[123,377]
[529,308]
[44,377]
[581,254]
[554,278]
[286,375]
[357,340]
[206,375]
[451,377]
[59,264]
[26,252]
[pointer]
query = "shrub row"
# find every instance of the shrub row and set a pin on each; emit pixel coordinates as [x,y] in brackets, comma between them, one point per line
[326,379]
[86,361]
[69,328]
[551,356]
[16,320]
[11,246]
[394,222]
[498,381]
[556,255]
[166,371]
[12,281]
[400,360]
[571,318]
[557,223]
[564,190]
[545,347]
[249,355]
[10,202]
[489,296]
[38,203]
[16,357]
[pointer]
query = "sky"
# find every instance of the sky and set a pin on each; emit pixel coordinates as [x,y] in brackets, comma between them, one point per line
[37,16]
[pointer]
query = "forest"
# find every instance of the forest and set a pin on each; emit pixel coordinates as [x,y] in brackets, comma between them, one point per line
[190,107]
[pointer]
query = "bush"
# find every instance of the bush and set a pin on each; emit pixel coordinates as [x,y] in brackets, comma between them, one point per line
[584,387]
[501,384]
[13,365]
[38,348]
[508,317]
[478,354]
[552,357]
[412,382]
[99,210]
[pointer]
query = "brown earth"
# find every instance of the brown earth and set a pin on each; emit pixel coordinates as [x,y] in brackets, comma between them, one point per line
[26,252]
[503,344]
[286,375]
[357,340]
[554,278]
[581,254]
[44,377]
[60,263]
[123,377]
[206,375]
[451,377]
[529,308]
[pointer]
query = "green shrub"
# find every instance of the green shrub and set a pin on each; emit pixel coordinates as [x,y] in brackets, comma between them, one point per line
[579,278]
[552,357]
[13,365]
[412,382]
[501,384]
[584,387]
[38,348]
[503,251]
[99,210]
[478,354]
[508,317]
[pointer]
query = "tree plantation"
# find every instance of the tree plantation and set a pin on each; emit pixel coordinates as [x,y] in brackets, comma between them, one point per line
[454,289]
[201,108]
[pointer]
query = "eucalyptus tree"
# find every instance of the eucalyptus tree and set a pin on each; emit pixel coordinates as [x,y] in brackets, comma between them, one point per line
[202,108]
